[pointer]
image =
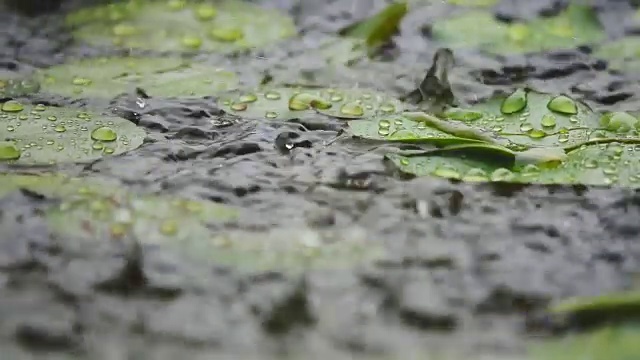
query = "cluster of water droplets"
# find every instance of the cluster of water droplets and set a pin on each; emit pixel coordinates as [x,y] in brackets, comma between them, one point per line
[55,133]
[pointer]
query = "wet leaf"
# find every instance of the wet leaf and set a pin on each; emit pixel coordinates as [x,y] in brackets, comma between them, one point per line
[530,118]
[577,25]
[97,210]
[12,85]
[291,103]
[36,134]
[172,77]
[400,128]
[181,25]
[379,28]
[609,343]
[620,306]
[621,54]
[612,163]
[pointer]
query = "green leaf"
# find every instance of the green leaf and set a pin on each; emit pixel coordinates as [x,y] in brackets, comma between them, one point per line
[156,76]
[12,85]
[291,103]
[622,54]
[398,128]
[379,28]
[527,118]
[96,210]
[609,343]
[40,135]
[602,308]
[575,26]
[611,163]
[181,25]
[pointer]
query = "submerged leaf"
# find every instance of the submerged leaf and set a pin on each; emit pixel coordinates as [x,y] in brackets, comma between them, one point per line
[40,135]
[185,25]
[379,28]
[95,210]
[156,76]
[292,103]
[577,25]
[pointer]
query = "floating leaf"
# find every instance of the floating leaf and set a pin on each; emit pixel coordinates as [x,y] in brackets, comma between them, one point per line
[577,25]
[530,118]
[291,103]
[609,343]
[96,210]
[181,25]
[48,135]
[598,164]
[621,54]
[379,28]
[156,76]
[12,86]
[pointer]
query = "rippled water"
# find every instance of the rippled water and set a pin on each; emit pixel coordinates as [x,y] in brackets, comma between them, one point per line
[465,264]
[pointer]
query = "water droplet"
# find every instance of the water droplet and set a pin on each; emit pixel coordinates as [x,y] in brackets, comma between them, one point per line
[619,121]
[239,106]
[52,118]
[50,142]
[404,161]
[10,128]
[9,151]
[192,42]
[610,170]
[169,227]
[463,114]
[563,137]
[563,104]
[271,115]
[530,170]
[352,109]
[548,120]
[23,117]
[272,95]
[383,131]
[205,12]
[176,4]
[12,106]
[305,101]
[475,175]
[336,98]
[526,127]
[40,107]
[446,172]
[97,145]
[384,124]
[515,102]
[248,98]
[227,34]
[387,108]
[104,133]
[537,134]
[60,128]
[109,150]
[502,174]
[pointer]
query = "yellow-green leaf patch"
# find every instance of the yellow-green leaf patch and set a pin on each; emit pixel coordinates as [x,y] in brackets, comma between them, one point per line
[181,25]
[576,25]
[44,135]
[291,103]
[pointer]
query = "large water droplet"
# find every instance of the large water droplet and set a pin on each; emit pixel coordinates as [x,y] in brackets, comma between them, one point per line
[60,128]
[526,127]
[515,102]
[238,106]
[384,124]
[352,109]
[619,121]
[305,101]
[248,98]
[548,120]
[12,106]
[537,134]
[9,151]
[563,104]
[227,34]
[104,133]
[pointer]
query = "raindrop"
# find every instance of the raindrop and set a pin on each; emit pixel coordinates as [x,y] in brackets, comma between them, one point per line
[537,134]
[40,107]
[239,106]
[563,104]
[10,128]
[60,128]
[9,151]
[515,102]
[352,109]
[104,133]
[446,172]
[526,127]
[12,106]
[502,174]
[475,175]
[97,146]
[336,98]
[404,161]
[109,150]
[248,98]
[383,131]
[272,95]
[271,115]
[530,170]
[384,124]
[548,120]
[590,163]
[52,118]
[228,34]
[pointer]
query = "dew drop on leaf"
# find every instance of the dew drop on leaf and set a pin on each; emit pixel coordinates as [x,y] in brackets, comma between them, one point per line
[352,109]
[548,120]
[9,151]
[515,102]
[12,106]
[563,104]
[104,133]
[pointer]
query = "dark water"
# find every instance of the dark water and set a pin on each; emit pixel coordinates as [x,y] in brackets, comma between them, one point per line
[466,265]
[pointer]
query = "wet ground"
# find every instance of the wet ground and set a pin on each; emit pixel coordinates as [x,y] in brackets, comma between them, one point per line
[466,265]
